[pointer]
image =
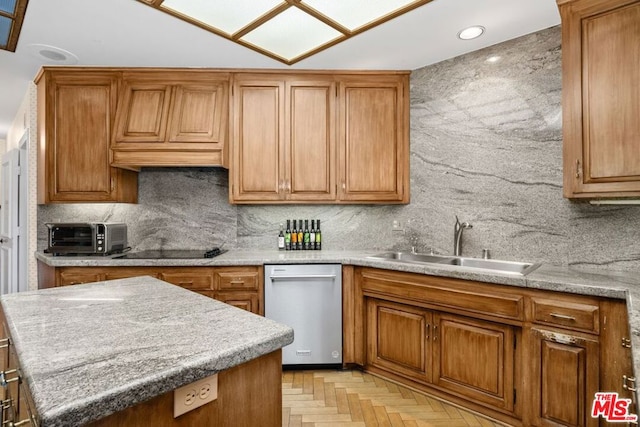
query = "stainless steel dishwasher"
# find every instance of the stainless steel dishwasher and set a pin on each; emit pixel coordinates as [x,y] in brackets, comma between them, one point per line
[308,298]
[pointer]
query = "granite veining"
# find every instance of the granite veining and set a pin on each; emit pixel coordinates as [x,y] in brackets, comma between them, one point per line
[87,351]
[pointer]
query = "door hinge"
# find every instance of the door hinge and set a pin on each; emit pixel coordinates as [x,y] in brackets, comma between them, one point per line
[18,171]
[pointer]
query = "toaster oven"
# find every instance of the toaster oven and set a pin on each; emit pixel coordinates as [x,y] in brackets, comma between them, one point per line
[82,238]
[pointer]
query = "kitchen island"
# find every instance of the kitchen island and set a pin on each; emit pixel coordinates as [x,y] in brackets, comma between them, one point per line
[118,349]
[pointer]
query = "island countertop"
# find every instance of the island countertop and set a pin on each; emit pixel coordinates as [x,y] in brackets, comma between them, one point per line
[90,350]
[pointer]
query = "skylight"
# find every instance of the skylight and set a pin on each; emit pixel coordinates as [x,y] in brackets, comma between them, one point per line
[11,17]
[286,30]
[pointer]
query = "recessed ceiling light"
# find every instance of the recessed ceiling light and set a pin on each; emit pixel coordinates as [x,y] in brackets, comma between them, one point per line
[52,54]
[471,32]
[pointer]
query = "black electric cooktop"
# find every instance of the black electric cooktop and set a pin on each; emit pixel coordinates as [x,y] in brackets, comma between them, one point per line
[172,254]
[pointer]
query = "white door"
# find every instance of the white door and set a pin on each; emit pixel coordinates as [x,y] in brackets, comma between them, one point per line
[9,197]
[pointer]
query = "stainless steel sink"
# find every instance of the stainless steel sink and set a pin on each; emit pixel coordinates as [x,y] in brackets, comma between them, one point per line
[511,267]
[479,264]
[410,257]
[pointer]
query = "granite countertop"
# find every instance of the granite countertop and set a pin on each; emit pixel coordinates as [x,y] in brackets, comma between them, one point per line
[605,283]
[87,351]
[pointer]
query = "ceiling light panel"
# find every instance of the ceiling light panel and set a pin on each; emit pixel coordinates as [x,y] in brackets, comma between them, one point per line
[229,16]
[5,30]
[303,34]
[354,14]
[8,6]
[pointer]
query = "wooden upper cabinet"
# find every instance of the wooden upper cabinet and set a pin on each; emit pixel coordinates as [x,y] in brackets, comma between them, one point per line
[373,143]
[172,118]
[283,139]
[75,116]
[601,97]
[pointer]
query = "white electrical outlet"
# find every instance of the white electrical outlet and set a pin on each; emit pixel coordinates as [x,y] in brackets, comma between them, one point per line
[194,395]
[397,225]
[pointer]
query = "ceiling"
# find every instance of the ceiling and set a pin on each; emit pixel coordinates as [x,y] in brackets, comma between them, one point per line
[129,33]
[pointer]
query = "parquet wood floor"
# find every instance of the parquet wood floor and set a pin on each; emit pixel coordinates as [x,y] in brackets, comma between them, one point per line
[356,399]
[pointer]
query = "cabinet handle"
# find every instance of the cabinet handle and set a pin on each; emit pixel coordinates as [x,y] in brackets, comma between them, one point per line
[20,423]
[288,186]
[344,185]
[185,283]
[3,377]
[626,342]
[435,332]
[237,282]
[563,317]
[113,184]
[629,383]
[427,326]
[578,171]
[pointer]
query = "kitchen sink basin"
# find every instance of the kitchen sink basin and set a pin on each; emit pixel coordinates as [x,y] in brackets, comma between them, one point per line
[479,264]
[410,257]
[512,267]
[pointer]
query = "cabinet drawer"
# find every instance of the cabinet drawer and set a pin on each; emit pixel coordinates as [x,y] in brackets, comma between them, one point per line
[76,278]
[444,293]
[566,314]
[192,281]
[237,279]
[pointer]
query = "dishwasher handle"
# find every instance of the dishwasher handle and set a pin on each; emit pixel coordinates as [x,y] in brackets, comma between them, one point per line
[304,277]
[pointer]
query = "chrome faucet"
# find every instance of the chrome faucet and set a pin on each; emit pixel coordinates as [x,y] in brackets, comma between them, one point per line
[457,236]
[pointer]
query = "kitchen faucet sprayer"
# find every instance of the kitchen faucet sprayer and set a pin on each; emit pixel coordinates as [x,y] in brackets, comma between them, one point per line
[457,235]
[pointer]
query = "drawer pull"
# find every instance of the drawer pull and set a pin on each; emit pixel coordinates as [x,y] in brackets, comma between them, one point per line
[626,342]
[3,377]
[186,283]
[563,317]
[237,282]
[629,383]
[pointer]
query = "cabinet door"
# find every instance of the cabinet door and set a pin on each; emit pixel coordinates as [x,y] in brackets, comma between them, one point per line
[310,140]
[398,338]
[199,113]
[374,139]
[245,300]
[601,102]
[474,359]
[76,111]
[143,111]
[258,143]
[564,369]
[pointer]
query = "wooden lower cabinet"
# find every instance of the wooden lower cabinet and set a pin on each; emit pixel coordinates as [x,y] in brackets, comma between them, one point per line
[474,359]
[540,366]
[240,286]
[470,358]
[563,369]
[398,338]
[245,300]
